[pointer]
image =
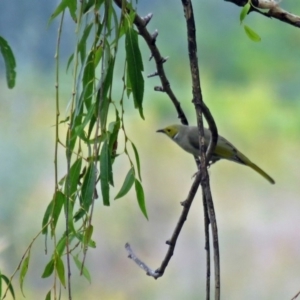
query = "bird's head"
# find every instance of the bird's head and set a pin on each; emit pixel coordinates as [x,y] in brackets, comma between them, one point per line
[171,131]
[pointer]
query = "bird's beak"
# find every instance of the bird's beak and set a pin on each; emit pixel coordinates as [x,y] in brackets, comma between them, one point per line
[160,130]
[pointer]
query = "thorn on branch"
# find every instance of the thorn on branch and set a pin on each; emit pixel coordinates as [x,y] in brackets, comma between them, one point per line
[151,56]
[154,36]
[164,59]
[152,74]
[159,89]
[147,19]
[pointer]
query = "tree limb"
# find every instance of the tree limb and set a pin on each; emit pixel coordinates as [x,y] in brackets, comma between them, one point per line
[199,103]
[273,10]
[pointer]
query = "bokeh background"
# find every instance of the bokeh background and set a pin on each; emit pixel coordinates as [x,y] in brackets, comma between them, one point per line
[252,90]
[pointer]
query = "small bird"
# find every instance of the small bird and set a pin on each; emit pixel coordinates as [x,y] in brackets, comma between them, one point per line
[187,138]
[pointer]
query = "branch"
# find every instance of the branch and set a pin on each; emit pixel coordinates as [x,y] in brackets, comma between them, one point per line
[273,10]
[199,104]
[150,39]
[172,241]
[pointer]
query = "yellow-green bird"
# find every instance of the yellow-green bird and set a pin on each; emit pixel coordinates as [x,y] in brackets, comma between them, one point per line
[188,139]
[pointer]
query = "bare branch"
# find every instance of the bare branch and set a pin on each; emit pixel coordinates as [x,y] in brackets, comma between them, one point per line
[273,10]
[199,104]
[172,241]
[141,264]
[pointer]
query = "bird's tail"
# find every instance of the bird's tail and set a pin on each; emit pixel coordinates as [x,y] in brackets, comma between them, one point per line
[245,160]
[260,171]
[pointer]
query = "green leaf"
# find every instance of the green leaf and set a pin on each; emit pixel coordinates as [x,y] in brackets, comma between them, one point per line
[10,62]
[48,269]
[79,129]
[82,42]
[60,247]
[85,271]
[73,178]
[8,283]
[140,197]
[127,184]
[88,79]
[60,269]
[79,214]
[88,186]
[103,91]
[114,128]
[251,34]
[58,202]
[71,4]
[135,68]
[88,235]
[106,175]
[48,296]
[244,11]
[137,159]
[92,244]
[23,272]
[46,217]
[69,61]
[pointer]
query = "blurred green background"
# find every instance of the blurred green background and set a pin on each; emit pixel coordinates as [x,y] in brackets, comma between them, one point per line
[252,90]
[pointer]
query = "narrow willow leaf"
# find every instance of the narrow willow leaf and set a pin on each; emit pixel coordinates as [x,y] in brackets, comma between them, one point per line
[71,141]
[72,5]
[85,271]
[88,235]
[103,91]
[10,62]
[8,283]
[88,78]
[91,126]
[98,55]
[73,178]
[244,11]
[135,68]
[80,129]
[48,296]
[23,272]
[82,42]
[48,269]
[251,34]
[105,172]
[46,217]
[92,244]
[79,214]
[88,186]
[60,247]
[127,184]
[114,128]
[59,9]
[69,61]
[60,269]
[141,197]
[58,202]
[137,159]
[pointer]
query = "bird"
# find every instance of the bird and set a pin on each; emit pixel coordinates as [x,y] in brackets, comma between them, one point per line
[187,137]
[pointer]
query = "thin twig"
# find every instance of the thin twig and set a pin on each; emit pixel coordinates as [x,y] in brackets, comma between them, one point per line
[56,127]
[172,241]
